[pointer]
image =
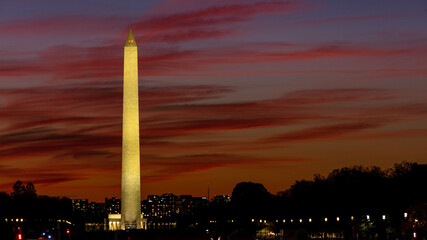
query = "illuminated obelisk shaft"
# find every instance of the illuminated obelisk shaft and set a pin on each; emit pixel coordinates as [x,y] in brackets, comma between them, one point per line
[131,189]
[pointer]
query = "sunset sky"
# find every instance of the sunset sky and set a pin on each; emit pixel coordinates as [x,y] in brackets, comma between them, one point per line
[230,91]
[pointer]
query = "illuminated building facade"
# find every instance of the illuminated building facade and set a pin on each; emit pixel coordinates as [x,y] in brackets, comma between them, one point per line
[160,211]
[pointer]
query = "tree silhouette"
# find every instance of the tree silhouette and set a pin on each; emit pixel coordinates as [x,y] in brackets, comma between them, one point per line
[30,190]
[21,190]
[251,199]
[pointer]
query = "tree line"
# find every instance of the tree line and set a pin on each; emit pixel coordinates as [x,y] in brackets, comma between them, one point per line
[349,191]
[346,191]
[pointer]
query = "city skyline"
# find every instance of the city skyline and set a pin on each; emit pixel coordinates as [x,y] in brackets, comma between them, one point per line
[230,91]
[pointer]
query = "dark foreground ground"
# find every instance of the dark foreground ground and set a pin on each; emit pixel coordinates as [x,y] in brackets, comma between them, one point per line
[137,235]
[140,235]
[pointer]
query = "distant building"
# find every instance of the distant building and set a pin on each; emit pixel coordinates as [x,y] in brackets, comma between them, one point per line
[80,205]
[221,199]
[97,209]
[186,204]
[160,211]
[112,205]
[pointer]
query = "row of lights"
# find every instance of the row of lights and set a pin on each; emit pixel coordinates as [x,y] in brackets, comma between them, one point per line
[60,220]
[163,224]
[16,220]
[326,219]
[22,220]
[405,215]
[214,221]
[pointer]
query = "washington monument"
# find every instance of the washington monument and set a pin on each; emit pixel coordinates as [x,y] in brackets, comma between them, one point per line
[131,176]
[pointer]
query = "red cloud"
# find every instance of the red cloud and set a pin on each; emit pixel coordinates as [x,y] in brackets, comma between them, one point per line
[330,131]
[64,25]
[105,63]
[190,35]
[172,167]
[292,108]
[36,175]
[352,18]
[55,128]
[87,118]
[214,16]
[79,126]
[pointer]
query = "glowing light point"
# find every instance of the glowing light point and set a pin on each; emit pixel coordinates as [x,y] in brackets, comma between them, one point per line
[130,42]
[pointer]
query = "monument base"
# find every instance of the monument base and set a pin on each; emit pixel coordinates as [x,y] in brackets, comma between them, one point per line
[130,226]
[115,223]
